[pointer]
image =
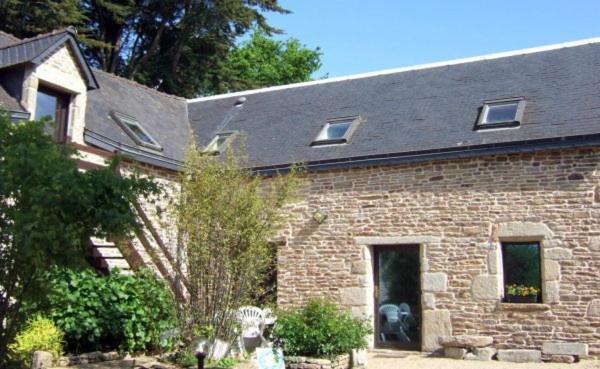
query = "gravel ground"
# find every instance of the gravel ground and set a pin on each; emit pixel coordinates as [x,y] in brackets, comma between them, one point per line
[415,361]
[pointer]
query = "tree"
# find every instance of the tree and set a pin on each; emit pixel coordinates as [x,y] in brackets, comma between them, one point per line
[263,61]
[48,212]
[29,18]
[226,216]
[173,45]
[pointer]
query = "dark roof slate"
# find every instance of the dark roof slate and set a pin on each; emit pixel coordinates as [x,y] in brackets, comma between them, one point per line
[432,109]
[7,39]
[9,103]
[163,116]
[35,49]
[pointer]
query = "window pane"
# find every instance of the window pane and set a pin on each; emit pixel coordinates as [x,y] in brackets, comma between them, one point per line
[335,131]
[501,113]
[522,264]
[140,133]
[218,142]
[45,106]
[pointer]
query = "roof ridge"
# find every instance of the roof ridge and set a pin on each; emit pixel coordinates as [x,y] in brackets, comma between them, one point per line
[446,63]
[11,36]
[38,37]
[137,84]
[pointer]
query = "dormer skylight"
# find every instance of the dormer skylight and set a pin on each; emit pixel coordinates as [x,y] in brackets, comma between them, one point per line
[135,130]
[501,113]
[337,131]
[219,143]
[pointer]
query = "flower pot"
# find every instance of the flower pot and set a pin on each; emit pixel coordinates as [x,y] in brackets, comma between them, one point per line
[529,299]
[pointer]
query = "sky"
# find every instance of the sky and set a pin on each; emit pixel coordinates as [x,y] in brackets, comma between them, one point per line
[358,36]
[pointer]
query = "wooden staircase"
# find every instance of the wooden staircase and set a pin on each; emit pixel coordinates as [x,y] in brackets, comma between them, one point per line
[105,255]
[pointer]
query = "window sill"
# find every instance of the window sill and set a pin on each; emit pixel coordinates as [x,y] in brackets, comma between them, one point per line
[506,306]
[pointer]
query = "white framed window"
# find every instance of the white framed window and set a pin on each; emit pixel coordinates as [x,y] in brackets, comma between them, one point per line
[134,129]
[337,131]
[219,143]
[501,113]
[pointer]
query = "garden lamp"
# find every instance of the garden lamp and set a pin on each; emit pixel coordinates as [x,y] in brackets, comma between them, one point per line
[200,354]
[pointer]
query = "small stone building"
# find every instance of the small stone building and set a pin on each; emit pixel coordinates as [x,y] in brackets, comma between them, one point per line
[459,198]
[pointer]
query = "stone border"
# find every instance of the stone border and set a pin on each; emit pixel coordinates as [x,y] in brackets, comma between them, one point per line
[490,286]
[302,362]
[88,358]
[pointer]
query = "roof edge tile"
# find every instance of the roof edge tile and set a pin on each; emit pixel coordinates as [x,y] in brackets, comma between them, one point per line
[473,59]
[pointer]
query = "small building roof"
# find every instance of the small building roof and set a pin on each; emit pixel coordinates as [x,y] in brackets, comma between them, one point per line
[34,50]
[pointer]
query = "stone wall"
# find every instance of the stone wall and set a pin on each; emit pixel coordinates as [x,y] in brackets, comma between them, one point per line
[157,245]
[458,211]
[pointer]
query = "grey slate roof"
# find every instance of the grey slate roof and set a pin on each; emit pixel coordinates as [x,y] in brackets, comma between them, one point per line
[421,111]
[34,50]
[9,103]
[163,116]
[7,39]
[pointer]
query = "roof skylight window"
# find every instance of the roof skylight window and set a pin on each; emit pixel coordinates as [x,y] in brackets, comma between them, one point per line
[501,113]
[337,131]
[219,142]
[135,130]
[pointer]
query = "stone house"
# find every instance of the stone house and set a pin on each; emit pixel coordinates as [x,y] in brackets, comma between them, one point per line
[430,192]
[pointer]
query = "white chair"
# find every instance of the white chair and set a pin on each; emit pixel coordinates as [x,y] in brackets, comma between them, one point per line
[394,321]
[252,321]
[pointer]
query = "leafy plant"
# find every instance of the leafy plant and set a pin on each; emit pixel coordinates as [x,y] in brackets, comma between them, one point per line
[40,334]
[128,312]
[226,363]
[226,215]
[184,358]
[49,209]
[521,290]
[320,329]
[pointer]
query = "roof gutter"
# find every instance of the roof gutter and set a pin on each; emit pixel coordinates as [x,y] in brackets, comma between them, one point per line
[103,142]
[438,154]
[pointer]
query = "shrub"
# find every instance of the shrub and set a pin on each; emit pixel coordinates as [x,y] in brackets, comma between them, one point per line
[126,312]
[320,330]
[39,334]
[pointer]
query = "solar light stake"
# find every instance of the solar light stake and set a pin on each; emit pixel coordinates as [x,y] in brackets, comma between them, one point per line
[200,356]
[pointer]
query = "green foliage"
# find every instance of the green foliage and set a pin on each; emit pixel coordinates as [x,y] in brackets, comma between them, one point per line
[225,363]
[185,359]
[40,334]
[521,290]
[29,18]
[263,62]
[49,210]
[320,330]
[176,46]
[226,215]
[118,311]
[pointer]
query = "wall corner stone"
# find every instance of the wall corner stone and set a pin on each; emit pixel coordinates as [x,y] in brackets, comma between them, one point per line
[435,282]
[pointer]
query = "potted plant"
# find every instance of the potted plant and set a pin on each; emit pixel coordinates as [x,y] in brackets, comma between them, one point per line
[521,293]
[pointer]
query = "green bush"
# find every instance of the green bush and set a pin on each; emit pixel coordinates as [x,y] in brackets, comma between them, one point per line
[39,334]
[320,330]
[125,312]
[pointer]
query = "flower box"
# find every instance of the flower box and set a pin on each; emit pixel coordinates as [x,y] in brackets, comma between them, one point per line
[529,299]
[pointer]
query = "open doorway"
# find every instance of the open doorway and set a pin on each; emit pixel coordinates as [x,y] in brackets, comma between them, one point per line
[397,296]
